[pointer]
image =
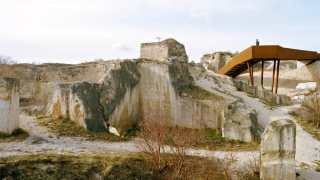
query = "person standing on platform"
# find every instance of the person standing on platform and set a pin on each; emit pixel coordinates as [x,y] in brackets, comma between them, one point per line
[257,42]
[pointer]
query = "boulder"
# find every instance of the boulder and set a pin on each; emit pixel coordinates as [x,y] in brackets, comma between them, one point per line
[9,104]
[119,95]
[306,87]
[79,102]
[277,150]
[215,61]
[238,123]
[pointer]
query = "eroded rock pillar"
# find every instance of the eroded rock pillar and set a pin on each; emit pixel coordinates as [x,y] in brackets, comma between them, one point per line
[9,104]
[277,151]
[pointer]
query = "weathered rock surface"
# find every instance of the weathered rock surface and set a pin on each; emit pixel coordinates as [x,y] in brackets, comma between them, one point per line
[37,81]
[79,102]
[310,86]
[9,104]
[239,123]
[260,92]
[163,51]
[277,151]
[158,95]
[119,96]
[31,110]
[215,61]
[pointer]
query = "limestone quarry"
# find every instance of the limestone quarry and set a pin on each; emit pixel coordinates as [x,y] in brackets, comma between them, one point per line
[118,95]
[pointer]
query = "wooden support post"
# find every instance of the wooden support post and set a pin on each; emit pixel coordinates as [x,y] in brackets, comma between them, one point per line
[262,66]
[274,68]
[250,74]
[277,75]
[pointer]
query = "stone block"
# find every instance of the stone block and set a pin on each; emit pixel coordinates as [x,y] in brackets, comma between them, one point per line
[79,102]
[9,104]
[239,123]
[277,150]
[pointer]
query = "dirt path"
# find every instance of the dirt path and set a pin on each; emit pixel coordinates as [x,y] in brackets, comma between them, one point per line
[54,144]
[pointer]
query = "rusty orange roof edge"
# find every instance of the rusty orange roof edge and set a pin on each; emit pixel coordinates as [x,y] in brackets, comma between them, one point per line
[268,52]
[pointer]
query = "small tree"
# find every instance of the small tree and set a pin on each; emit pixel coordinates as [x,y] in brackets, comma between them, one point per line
[156,133]
[310,108]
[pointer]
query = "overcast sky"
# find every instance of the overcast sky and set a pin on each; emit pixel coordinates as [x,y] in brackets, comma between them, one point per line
[75,31]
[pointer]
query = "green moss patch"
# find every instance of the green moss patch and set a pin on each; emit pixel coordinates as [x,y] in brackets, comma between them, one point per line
[197,92]
[108,165]
[171,41]
[17,135]
[215,141]
[65,127]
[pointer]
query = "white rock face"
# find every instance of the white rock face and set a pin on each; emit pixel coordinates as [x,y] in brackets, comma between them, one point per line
[9,104]
[162,51]
[277,151]
[79,102]
[216,61]
[157,95]
[310,86]
[239,123]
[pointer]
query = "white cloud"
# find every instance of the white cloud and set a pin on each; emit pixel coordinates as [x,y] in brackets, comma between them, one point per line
[121,46]
[203,15]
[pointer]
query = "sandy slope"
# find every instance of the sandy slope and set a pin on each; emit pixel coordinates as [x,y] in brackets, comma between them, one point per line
[307,148]
[288,79]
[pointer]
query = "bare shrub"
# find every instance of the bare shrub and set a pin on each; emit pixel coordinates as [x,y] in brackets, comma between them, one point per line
[250,169]
[154,133]
[181,140]
[4,68]
[310,109]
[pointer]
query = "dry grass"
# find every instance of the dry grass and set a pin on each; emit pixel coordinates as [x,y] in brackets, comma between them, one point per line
[17,135]
[308,127]
[215,141]
[110,165]
[197,92]
[65,127]
[171,41]
[310,110]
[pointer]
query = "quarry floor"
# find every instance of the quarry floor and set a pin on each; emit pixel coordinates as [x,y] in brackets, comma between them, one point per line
[308,148]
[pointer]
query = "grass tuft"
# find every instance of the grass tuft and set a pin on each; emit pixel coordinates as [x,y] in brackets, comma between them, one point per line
[65,127]
[171,41]
[17,135]
[215,141]
[197,92]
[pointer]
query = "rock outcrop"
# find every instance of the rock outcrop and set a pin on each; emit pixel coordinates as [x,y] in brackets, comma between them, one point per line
[260,92]
[239,123]
[9,104]
[277,151]
[37,81]
[163,51]
[79,102]
[215,61]
[125,92]
[119,95]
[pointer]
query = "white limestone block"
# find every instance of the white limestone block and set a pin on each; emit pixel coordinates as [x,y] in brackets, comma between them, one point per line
[9,104]
[277,151]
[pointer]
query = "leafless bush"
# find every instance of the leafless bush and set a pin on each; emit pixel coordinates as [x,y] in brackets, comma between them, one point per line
[154,133]
[310,108]
[4,62]
[250,169]
[181,140]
